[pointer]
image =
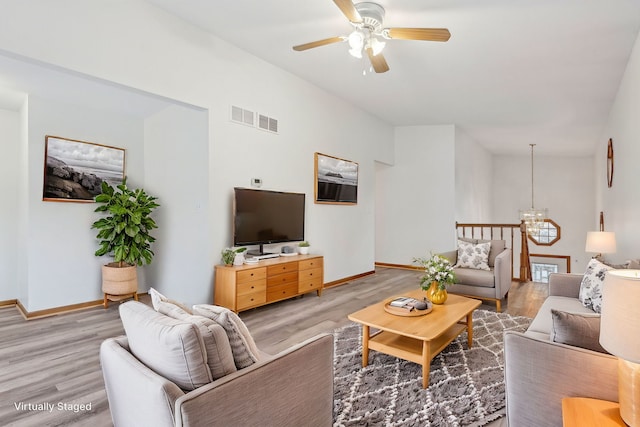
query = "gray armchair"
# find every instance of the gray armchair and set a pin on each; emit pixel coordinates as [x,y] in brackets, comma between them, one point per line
[493,284]
[292,388]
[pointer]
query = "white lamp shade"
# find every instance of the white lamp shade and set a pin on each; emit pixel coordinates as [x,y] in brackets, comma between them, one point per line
[620,321]
[603,242]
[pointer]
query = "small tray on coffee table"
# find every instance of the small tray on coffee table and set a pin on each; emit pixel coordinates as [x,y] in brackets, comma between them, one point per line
[401,311]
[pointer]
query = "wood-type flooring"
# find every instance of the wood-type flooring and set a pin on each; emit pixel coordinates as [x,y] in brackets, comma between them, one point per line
[49,367]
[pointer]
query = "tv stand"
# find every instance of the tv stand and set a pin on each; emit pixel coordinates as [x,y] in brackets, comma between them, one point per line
[242,287]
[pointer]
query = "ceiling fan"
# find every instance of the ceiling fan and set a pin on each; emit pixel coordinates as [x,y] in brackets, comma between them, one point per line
[366,18]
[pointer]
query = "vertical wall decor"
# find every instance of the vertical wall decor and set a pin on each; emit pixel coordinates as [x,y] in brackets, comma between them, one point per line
[610,163]
[336,180]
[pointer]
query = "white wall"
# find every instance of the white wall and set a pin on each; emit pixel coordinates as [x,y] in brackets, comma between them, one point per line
[474,180]
[563,185]
[176,171]
[9,219]
[157,53]
[61,267]
[621,202]
[415,197]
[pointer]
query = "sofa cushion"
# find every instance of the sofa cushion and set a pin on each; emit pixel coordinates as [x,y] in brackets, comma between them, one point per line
[472,277]
[216,343]
[219,355]
[579,330]
[591,286]
[497,247]
[245,352]
[633,264]
[543,321]
[172,348]
[166,305]
[475,256]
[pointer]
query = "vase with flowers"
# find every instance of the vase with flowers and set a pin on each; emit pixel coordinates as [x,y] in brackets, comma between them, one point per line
[438,274]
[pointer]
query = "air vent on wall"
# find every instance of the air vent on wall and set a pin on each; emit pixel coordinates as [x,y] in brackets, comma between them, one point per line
[247,117]
[240,115]
[267,123]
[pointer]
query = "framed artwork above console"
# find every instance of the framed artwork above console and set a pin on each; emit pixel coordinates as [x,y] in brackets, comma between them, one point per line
[336,180]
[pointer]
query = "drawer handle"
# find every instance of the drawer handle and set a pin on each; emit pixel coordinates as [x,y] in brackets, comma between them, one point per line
[253,287]
[251,274]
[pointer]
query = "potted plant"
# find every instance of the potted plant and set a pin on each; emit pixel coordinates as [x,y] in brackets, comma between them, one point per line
[124,233]
[229,255]
[438,274]
[303,247]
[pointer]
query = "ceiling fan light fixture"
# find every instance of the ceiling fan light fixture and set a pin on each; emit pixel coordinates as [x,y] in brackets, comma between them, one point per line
[376,45]
[356,40]
[356,53]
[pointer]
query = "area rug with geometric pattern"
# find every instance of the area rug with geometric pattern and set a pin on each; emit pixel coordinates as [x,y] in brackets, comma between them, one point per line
[466,385]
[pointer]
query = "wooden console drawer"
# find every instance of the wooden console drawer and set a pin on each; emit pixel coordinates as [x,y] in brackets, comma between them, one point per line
[243,287]
[311,273]
[251,275]
[287,267]
[311,263]
[309,285]
[251,300]
[251,287]
[282,291]
[280,279]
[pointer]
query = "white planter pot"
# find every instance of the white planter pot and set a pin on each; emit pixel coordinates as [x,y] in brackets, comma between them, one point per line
[303,250]
[239,259]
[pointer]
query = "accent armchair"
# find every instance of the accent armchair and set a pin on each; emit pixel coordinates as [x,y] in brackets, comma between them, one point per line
[492,284]
[292,388]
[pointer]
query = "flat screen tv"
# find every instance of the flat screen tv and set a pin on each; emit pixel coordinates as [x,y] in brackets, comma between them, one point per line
[263,217]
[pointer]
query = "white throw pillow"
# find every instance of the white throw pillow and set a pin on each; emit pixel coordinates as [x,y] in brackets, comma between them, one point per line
[245,352]
[172,348]
[591,286]
[473,255]
[167,306]
[219,356]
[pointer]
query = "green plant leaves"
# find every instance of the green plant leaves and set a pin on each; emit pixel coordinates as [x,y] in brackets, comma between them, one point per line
[125,232]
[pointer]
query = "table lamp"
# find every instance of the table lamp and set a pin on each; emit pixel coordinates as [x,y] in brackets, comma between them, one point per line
[620,336]
[601,242]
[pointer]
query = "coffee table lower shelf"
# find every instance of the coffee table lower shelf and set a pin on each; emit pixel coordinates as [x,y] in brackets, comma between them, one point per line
[411,349]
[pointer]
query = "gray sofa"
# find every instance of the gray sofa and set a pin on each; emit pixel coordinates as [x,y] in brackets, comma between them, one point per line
[292,388]
[539,372]
[493,284]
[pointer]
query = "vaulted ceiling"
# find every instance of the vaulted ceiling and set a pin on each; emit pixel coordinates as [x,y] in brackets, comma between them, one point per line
[514,72]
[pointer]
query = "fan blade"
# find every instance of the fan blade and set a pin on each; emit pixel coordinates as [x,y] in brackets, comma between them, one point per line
[428,34]
[348,10]
[377,61]
[318,43]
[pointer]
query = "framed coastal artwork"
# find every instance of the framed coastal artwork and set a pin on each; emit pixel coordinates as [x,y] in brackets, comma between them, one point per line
[336,180]
[74,170]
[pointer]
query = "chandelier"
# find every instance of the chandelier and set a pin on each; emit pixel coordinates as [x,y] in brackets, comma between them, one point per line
[533,218]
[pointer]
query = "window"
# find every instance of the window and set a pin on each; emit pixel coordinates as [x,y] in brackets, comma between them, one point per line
[540,272]
[548,234]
